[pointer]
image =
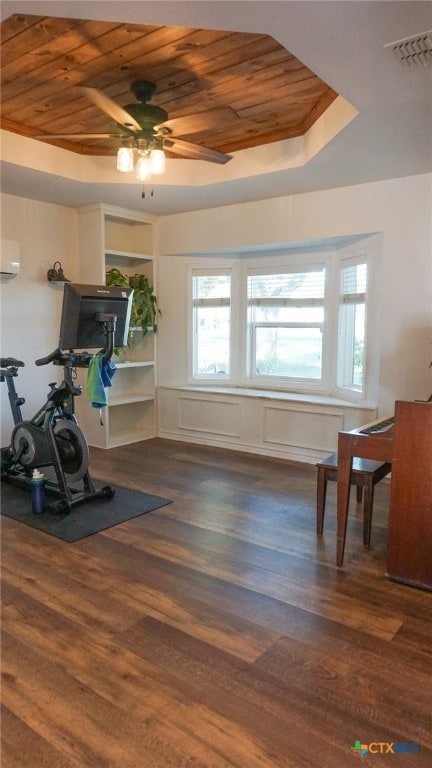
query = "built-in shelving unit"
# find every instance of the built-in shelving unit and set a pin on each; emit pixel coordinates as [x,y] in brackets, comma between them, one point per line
[115,237]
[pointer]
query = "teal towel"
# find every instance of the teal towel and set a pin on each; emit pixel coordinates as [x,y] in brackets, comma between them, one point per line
[99,375]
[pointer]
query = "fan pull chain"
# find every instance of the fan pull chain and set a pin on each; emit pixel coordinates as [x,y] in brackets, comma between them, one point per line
[143,194]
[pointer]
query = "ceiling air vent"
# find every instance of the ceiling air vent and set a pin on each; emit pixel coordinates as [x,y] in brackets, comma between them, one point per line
[413,51]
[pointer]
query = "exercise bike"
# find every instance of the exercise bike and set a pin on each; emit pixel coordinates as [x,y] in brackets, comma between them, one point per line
[52,436]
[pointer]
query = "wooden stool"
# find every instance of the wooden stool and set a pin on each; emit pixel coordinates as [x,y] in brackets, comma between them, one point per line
[365,474]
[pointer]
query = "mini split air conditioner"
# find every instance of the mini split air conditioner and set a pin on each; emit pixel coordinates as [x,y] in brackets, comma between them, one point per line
[9,258]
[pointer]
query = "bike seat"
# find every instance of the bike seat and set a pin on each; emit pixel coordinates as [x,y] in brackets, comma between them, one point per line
[5,362]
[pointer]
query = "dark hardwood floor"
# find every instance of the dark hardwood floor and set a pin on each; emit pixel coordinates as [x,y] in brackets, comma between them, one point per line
[214,632]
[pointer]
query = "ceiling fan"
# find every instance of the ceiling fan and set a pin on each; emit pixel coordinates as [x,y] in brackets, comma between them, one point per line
[149,126]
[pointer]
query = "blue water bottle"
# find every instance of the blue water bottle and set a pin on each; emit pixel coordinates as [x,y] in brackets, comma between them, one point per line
[38,492]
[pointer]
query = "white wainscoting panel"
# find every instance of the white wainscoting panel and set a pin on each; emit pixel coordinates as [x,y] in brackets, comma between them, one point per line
[281,425]
[302,429]
[214,416]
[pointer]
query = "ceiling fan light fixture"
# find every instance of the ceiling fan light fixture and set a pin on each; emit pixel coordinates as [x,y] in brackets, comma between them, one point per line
[125,159]
[157,162]
[143,166]
[150,161]
[146,130]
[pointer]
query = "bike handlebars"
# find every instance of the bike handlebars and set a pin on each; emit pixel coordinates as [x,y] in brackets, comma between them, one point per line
[60,357]
[56,356]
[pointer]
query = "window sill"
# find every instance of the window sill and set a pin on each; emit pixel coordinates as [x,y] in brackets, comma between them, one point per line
[271,394]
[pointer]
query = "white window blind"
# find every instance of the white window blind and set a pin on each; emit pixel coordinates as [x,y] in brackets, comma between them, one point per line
[353,284]
[285,288]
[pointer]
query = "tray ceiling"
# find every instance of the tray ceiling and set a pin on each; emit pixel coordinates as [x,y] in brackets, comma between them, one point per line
[274,96]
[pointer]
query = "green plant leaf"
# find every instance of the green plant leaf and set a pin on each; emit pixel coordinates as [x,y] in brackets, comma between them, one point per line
[144,302]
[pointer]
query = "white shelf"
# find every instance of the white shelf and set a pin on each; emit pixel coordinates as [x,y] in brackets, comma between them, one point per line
[115,237]
[127,258]
[126,398]
[134,363]
[126,438]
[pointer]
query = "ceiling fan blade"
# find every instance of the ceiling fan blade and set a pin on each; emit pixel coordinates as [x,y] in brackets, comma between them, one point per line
[79,136]
[195,151]
[111,108]
[201,121]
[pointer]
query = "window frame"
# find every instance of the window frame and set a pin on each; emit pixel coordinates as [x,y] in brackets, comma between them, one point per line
[289,265]
[342,387]
[334,258]
[211,302]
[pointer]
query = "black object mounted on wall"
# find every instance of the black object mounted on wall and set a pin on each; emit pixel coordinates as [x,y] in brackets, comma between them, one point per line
[56,274]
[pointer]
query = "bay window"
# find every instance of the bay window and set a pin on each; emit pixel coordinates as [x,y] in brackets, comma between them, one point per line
[300,324]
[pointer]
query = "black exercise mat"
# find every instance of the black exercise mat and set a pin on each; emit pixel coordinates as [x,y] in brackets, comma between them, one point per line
[84,519]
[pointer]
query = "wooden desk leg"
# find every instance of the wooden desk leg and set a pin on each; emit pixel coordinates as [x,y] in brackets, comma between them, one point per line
[321,499]
[368,498]
[343,493]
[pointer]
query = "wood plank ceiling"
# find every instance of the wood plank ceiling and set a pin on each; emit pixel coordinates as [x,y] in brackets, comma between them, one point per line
[44,60]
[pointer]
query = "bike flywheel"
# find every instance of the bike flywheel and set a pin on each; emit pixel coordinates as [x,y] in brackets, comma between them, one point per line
[73,449]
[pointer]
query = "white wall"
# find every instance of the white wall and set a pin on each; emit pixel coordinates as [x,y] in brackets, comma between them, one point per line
[399,208]
[30,306]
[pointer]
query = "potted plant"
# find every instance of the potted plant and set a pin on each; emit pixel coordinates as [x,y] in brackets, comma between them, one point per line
[144,303]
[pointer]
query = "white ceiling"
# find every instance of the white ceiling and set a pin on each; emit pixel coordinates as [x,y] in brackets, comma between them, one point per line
[342,41]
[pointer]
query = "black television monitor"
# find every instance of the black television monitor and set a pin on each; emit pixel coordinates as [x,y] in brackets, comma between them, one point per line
[79,326]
